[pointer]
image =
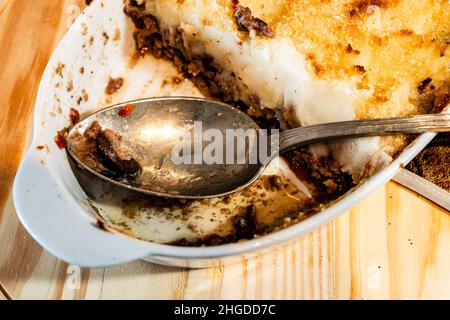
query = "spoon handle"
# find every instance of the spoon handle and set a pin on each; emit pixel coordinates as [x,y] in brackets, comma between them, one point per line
[324,133]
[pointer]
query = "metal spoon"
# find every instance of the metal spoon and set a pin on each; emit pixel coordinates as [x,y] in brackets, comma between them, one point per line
[151,132]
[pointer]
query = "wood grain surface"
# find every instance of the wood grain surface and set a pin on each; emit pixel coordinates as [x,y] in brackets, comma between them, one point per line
[3,295]
[393,245]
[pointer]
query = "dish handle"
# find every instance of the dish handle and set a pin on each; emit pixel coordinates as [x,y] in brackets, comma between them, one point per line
[60,228]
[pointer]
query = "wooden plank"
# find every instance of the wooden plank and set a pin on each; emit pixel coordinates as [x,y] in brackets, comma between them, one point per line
[24,53]
[393,245]
[23,61]
[4,4]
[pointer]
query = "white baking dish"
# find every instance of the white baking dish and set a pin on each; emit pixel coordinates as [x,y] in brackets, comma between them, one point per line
[48,198]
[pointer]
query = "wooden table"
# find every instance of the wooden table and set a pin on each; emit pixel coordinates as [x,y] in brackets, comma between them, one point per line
[394,245]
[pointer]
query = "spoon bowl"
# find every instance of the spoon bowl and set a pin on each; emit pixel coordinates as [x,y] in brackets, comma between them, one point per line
[153,132]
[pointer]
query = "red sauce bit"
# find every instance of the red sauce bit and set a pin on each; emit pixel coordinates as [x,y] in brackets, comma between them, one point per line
[60,139]
[74,115]
[126,111]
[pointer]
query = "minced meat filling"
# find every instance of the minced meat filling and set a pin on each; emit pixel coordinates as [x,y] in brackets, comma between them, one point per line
[433,162]
[246,22]
[201,70]
[100,150]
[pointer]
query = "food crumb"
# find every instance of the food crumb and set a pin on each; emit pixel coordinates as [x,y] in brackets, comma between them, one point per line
[74,116]
[101,225]
[60,139]
[59,69]
[117,35]
[276,182]
[105,37]
[114,85]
